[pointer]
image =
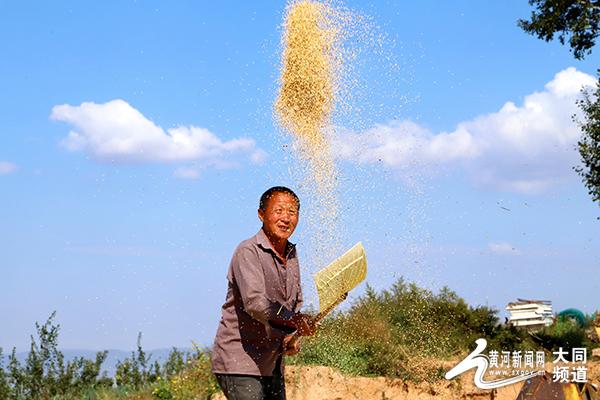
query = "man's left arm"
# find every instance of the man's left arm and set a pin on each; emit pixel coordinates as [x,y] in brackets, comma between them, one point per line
[299,296]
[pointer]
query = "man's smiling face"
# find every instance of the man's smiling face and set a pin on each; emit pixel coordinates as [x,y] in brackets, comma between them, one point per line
[279,217]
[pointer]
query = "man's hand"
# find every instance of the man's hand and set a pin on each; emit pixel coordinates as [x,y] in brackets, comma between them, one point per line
[291,345]
[305,324]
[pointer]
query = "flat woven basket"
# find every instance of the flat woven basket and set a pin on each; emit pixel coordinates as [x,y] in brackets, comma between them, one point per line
[341,276]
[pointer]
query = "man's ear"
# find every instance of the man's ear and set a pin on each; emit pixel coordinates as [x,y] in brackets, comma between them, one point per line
[261,215]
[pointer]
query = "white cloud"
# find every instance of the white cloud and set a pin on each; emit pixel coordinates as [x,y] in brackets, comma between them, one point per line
[503,248]
[524,148]
[404,144]
[259,156]
[7,168]
[115,131]
[187,173]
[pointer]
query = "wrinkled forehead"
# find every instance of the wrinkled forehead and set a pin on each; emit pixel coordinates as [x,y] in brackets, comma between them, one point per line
[282,199]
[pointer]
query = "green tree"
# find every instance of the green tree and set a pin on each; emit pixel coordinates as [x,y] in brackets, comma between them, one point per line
[135,372]
[5,391]
[45,375]
[175,363]
[42,361]
[577,20]
[566,333]
[16,377]
[589,144]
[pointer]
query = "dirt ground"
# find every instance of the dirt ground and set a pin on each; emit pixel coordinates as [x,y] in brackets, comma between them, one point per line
[324,383]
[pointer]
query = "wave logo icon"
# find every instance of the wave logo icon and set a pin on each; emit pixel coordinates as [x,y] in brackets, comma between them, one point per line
[481,362]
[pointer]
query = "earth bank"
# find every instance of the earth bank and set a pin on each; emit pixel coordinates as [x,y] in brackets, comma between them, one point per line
[325,383]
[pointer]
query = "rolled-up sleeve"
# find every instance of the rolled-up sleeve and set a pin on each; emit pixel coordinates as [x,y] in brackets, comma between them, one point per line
[248,276]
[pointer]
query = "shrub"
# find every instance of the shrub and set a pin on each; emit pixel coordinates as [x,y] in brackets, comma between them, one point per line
[45,374]
[5,390]
[565,333]
[136,372]
[399,332]
[175,362]
[194,380]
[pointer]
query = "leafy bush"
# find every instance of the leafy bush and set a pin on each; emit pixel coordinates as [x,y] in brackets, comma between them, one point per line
[45,374]
[135,372]
[176,362]
[190,381]
[5,389]
[565,333]
[401,332]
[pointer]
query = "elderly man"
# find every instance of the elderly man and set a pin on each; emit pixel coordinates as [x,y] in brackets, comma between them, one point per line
[260,318]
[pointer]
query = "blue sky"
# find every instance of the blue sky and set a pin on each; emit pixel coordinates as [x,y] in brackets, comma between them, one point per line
[456,171]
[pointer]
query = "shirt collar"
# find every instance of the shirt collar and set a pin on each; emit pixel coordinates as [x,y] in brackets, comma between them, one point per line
[265,243]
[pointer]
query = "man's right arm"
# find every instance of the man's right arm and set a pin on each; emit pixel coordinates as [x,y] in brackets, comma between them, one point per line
[249,277]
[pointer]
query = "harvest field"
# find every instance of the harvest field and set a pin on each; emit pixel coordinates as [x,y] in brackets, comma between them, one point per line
[469,189]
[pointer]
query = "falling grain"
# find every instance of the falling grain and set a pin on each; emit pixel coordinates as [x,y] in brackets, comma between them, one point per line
[310,68]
